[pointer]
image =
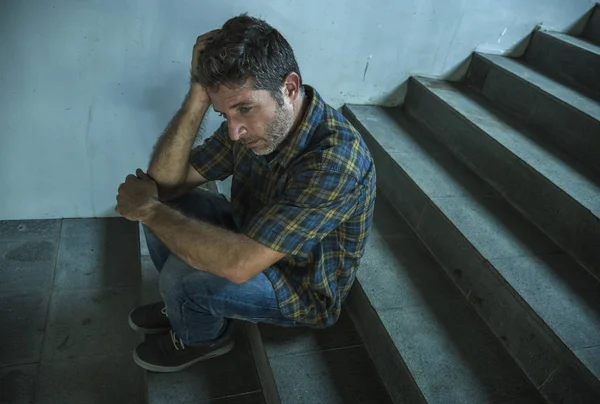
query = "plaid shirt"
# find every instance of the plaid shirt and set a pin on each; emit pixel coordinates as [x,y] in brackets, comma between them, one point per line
[312,200]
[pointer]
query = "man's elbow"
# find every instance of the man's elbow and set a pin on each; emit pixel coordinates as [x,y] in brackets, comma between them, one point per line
[237,276]
[240,272]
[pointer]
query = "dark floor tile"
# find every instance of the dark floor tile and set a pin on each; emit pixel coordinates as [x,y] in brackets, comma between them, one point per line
[452,355]
[293,340]
[23,317]
[341,376]
[105,226]
[90,322]
[113,379]
[27,264]
[227,375]
[17,384]
[532,399]
[567,385]
[591,359]
[19,229]
[251,398]
[96,253]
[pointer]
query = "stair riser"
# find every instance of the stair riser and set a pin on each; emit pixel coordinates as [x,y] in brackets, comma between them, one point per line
[574,66]
[533,346]
[567,222]
[592,29]
[574,131]
[391,368]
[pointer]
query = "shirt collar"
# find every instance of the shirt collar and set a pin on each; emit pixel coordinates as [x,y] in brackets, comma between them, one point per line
[298,141]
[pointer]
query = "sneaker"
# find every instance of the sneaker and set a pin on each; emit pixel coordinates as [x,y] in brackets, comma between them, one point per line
[167,353]
[150,319]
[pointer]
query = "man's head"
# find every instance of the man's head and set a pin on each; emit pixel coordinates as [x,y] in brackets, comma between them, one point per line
[253,79]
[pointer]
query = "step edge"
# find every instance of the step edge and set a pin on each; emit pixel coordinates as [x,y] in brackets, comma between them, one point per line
[360,308]
[262,365]
[517,127]
[563,39]
[489,59]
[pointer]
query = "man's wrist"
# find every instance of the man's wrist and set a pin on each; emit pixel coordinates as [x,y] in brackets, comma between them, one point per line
[198,95]
[150,212]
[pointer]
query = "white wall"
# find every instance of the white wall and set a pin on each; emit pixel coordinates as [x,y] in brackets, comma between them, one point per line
[86,86]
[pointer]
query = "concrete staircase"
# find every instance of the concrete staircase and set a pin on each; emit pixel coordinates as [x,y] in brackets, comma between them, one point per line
[499,178]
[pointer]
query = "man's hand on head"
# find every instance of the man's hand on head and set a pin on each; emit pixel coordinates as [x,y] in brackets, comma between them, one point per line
[137,196]
[199,46]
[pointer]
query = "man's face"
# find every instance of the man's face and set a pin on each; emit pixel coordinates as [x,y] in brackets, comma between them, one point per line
[254,117]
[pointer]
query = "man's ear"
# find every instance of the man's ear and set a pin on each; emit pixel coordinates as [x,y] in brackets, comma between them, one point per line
[291,85]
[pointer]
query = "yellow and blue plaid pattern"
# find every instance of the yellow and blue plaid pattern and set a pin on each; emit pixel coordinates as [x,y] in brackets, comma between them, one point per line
[313,200]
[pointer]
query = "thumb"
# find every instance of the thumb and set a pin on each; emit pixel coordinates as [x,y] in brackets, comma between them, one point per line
[142,175]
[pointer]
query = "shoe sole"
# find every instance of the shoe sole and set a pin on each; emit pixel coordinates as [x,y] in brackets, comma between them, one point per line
[169,369]
[149,331]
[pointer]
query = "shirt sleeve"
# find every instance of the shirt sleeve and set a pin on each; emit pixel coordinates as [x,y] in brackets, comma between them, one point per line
[314,203]
[213,159]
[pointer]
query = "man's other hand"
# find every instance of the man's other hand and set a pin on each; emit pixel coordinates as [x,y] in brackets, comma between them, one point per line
[137,196]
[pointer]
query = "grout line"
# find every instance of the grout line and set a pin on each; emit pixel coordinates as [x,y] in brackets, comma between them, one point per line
[318,351]
[19,364]
[118,287]
[216,400]
[511,400]
[543,384]
[51,289]
[50,300]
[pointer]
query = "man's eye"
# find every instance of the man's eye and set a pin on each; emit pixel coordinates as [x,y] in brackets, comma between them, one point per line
[245,110]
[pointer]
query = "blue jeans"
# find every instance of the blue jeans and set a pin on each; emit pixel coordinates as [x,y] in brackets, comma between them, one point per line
[200,304]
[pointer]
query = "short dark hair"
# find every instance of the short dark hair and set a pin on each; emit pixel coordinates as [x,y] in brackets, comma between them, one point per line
[247,48]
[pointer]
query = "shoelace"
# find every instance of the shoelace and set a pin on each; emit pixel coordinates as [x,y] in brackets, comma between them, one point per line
[164,311]
[176,340]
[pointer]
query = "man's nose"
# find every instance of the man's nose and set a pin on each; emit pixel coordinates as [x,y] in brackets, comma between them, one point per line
[236,130]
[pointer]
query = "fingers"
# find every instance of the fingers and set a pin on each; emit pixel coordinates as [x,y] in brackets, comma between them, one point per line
[202,40]
[207,36]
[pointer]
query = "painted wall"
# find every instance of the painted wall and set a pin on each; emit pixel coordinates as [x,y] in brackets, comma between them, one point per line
[86,86]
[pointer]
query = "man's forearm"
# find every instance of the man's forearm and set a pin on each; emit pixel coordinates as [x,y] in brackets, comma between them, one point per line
[170,161]
[200,245]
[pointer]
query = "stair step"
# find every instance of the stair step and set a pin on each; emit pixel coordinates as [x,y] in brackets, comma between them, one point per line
[553,190]
[411,314]
[326,366]
[538,301]
[592,28]
[570,119]
[572,60]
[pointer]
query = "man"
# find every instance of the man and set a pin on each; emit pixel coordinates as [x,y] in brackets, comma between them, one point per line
[286,249]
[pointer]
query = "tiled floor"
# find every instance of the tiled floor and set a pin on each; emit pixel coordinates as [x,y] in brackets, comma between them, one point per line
[66,289]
